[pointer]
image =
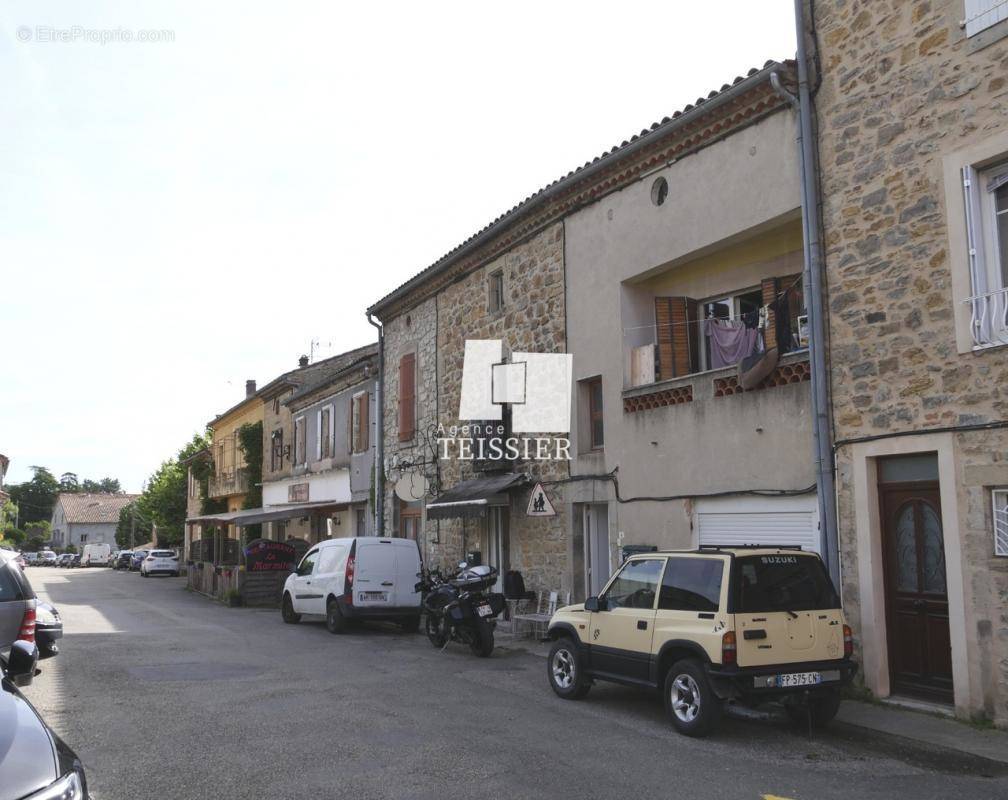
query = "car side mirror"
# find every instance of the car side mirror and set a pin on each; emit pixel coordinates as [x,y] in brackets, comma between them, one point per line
[594,604]
[21,662]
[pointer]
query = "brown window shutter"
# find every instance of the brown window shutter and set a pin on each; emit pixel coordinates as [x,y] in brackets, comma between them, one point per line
[407,396]
[365,425]
[677,336]
[769,289]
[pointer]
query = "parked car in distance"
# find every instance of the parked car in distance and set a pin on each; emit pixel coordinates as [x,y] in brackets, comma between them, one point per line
[47,558]
[75,562]
[17,604]
[122,559]
[137,559]
[48,629]
[707,626]
[30,559]
[356,578]
[34,761]
[64,559]
[96,555]
[164,562]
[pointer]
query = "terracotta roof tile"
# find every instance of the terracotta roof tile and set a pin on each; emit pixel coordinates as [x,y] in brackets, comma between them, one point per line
[93,508]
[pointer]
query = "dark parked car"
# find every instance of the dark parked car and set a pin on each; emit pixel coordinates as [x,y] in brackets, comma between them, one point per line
[48,629]
[35,764]
[75,562]
[122,560]
[137,559]
[64,560]
[17,603]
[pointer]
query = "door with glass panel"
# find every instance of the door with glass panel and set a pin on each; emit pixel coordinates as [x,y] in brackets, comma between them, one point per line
[917,621]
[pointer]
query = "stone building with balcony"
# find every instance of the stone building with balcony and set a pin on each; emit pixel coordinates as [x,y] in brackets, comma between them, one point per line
[624,265]
[913,144]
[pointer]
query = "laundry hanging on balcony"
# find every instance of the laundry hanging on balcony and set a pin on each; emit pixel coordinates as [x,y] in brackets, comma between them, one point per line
[730,341]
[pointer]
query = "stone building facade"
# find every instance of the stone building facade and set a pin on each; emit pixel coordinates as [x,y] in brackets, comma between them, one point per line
[912,115]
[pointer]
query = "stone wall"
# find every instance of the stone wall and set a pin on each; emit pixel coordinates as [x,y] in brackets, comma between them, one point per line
[532,319]
[902,89]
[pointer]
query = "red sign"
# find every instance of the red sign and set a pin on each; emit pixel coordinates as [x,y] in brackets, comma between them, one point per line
[297,493]
[262,555]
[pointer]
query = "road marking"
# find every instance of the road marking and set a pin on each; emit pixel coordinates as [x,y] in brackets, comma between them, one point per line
[773,797]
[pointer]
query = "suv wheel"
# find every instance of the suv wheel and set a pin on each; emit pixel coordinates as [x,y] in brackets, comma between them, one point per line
[691,703]
[287,611]
[334,619]
[823,706]
[565,671]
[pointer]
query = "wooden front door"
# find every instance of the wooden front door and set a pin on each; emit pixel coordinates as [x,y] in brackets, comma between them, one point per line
[917,622]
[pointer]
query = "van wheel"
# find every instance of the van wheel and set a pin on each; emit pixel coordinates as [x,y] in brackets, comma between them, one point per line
[565,670]
[689,700]
[823,706]
[334,619]
[287,611]
[483,644]
[410,624]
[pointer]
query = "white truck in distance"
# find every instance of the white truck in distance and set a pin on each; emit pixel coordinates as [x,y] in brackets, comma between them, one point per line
[96,555]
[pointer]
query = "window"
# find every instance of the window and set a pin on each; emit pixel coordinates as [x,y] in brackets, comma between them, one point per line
[276,449]
[781,582]
[359,424]
[300,454]
[330,559]
[986,200]
[635,586]
[596,429]
[323,448]
[495,289]
[739,311]
[691,584]
[659,191]
[361,522]
[1000,498]
[307,563]
[407,397]
[982,14]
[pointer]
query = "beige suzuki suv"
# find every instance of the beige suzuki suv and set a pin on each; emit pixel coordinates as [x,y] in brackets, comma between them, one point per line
[707,626]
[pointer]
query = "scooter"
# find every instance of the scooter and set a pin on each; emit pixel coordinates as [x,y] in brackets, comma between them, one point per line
[461,608]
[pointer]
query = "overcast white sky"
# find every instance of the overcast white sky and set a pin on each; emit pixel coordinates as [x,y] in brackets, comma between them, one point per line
[179,216]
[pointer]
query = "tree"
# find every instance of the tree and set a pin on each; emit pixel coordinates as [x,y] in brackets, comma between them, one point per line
[68,482]
[35,498]
[41,529]
[104,486]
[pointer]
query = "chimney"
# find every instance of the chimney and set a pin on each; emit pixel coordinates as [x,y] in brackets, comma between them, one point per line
[303,361]
[250,388]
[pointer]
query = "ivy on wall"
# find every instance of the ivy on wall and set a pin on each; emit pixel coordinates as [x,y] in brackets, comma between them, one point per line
[250,440]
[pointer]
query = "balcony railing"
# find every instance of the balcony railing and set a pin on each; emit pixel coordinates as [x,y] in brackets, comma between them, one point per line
[234,481]
[989,318]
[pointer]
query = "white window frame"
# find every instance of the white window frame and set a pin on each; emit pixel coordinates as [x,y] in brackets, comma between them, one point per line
[988,300]
[300,459]
[734,313]
[979,15]
[999,515]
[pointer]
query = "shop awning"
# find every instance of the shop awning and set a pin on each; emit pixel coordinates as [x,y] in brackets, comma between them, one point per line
[472,498]
[253,516]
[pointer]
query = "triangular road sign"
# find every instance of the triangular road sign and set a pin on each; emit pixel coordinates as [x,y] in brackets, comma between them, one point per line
[539,503]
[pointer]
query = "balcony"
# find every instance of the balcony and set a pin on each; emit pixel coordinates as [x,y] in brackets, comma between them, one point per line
[228,482]
[989,318]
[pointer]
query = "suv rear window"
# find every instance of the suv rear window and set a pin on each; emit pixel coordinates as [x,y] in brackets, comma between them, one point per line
[781,582]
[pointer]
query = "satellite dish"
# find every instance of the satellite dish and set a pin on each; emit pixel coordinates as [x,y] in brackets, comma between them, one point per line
[412,486]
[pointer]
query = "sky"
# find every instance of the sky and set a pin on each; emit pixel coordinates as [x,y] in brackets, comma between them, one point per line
[180,215]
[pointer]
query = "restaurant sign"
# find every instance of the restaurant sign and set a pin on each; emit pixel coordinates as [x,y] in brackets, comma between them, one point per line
[262,555]
[297,493]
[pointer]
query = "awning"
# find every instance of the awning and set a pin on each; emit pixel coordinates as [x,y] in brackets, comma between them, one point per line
[472,498]
[253,516]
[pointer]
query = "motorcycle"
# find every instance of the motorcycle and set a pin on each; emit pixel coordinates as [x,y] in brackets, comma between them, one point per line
[461,608]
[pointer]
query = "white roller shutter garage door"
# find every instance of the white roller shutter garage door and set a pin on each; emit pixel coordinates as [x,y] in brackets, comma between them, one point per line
[791,521]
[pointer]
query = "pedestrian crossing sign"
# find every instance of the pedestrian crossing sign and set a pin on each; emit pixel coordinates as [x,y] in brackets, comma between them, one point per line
[539,503]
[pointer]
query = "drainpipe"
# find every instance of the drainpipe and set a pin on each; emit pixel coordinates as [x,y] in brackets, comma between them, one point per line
[812,282]
[379,460]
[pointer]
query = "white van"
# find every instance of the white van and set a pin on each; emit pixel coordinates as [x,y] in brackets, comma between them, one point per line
[96,555]
[359,578]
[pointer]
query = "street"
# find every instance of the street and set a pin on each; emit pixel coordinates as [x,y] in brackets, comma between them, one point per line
[164,693]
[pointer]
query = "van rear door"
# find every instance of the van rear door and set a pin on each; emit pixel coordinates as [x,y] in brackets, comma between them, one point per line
[375,573]
[407,574]
[786,610]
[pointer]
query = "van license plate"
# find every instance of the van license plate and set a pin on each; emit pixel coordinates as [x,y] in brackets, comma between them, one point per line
[798,679]
[484,610]
[365,596]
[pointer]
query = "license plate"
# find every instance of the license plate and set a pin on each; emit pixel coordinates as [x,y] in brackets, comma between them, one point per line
[364,596]
[798,679]
[484,610]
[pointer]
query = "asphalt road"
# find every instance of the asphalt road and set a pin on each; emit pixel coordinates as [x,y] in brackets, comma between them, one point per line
[164,693]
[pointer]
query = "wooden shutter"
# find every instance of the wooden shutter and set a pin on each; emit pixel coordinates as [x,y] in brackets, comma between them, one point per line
[677,329]
[407,397]
[363,425]
[769,288]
